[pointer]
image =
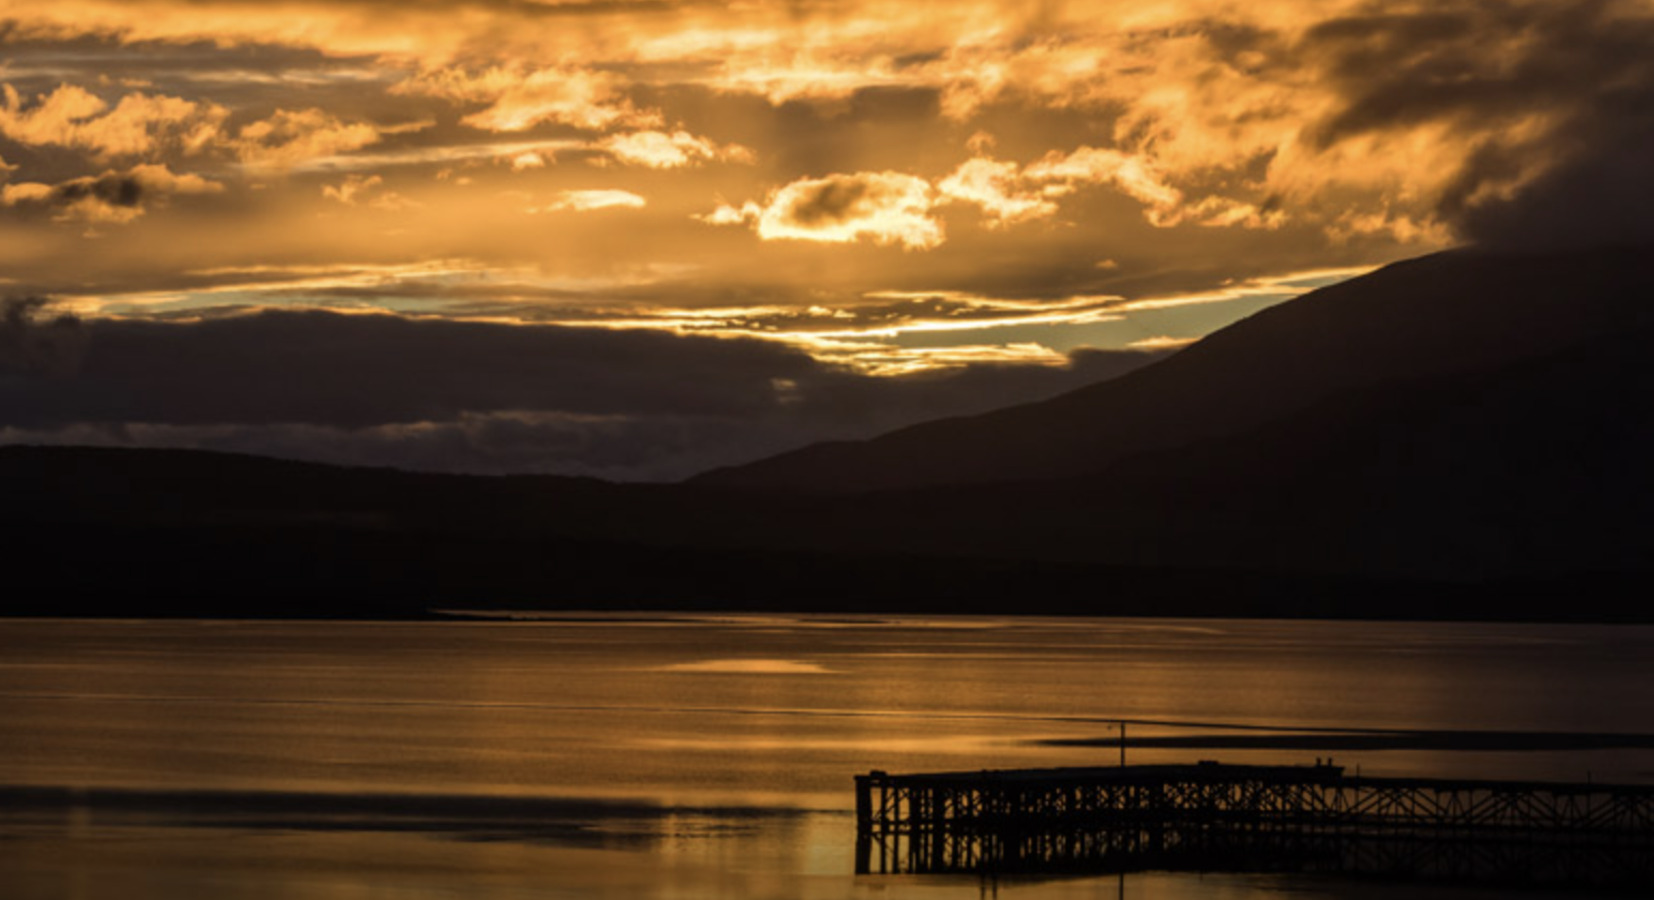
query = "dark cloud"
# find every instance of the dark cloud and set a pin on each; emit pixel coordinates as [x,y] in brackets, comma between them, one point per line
[832,200]
[356,371]
[112,188]
[1466,66]
[477,397]
[1600,194]
[110,198]
[32,342]
[1554,101]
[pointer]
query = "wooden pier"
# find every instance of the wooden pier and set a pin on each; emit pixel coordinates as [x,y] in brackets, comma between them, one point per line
[1212,817]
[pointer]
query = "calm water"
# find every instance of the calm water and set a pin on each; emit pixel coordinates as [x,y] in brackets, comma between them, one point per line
[697,757]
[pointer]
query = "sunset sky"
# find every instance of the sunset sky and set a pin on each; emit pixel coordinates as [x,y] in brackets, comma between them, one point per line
[636,239]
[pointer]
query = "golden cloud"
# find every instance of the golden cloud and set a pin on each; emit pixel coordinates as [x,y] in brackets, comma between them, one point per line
[1008,195]
[1161,342]
[662,150]
[531,159]
[585,201]
[517,99]
[291,137]
[1357,136]
[996,187]
[509,153]
[112,198]
[1258,97]
[138,125]
[369,191]
[882,207]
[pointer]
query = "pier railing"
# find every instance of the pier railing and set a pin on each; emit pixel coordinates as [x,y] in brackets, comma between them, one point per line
[1211,817]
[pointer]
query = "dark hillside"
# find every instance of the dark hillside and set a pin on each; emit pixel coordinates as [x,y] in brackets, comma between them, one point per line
[1451,312]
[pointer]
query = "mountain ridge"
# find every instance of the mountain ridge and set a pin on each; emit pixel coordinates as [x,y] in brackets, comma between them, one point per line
[1491,467]
[1265,366]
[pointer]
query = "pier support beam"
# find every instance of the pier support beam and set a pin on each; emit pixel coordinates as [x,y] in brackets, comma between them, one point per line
[1217,817]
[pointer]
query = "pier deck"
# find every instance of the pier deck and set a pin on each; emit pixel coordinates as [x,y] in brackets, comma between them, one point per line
[1213,817]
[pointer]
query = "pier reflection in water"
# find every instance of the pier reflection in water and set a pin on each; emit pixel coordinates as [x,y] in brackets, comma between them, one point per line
[1210,817]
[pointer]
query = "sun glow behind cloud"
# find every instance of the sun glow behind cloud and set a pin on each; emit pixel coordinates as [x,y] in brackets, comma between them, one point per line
[882,186]
[1196,117]
[869,334]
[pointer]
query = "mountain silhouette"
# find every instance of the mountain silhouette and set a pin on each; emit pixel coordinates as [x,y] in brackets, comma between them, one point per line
[1465,435]
[1453,312]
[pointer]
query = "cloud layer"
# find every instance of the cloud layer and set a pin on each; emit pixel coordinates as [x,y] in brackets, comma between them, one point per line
[873,188]
[466,396]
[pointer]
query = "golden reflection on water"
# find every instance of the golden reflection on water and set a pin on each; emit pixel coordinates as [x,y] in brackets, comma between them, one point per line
[750,667]
[691,721]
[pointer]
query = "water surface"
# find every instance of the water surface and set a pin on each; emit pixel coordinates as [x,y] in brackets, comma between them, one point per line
[712,756]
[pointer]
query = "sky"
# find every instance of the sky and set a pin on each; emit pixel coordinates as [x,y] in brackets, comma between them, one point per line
[635,240]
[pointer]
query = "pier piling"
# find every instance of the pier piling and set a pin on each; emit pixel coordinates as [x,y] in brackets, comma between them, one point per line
[1212,817]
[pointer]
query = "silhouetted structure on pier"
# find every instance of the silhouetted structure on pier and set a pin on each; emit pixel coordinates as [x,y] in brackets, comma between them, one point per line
[1212,817]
